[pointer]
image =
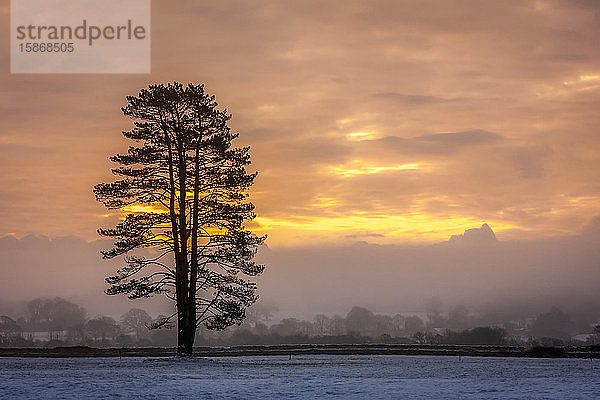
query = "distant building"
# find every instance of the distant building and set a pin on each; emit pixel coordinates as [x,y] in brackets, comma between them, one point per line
[45,336]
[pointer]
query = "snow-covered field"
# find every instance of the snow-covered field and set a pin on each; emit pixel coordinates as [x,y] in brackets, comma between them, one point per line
[344,377]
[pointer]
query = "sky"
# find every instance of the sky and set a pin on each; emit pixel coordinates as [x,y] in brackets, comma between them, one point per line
[375,123]
[390,122]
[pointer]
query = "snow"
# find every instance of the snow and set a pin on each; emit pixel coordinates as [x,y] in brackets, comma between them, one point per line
[341,377]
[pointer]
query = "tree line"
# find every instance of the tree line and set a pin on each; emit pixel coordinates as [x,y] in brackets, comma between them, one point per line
[59,322]
[457,326]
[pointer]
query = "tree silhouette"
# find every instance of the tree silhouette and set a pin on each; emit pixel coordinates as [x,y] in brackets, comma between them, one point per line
[184,191]
[136,321]
[102,328]
[53,315]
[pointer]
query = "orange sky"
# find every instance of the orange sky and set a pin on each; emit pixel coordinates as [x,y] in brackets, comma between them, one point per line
[387,122]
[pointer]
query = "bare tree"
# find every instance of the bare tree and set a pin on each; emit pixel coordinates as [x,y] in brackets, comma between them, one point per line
[136,321]
[184,190]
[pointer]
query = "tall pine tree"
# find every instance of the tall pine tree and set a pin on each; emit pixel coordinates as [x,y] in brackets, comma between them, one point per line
[184,191]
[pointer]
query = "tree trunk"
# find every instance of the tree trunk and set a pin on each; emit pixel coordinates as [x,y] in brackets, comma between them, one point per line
[186,331]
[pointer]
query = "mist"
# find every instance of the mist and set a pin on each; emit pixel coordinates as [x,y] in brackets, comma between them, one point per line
[516,278]
[474,269]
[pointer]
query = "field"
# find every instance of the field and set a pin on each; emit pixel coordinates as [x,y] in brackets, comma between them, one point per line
[302,376]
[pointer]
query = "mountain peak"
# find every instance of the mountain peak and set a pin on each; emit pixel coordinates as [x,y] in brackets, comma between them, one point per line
[485,234]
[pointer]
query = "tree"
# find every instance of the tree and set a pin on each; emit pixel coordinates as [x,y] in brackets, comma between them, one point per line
[136,321]
[361,321]
[287,327]
[420,337]
[338,325]
[555,323]
[458,317]
[184,192]
[413,324]
[434,310]
[322,324]
[53,315]
[595,336]
[480,335]
[10,331]
[102,328]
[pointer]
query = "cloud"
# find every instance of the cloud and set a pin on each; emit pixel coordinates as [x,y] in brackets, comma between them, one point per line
[439,144]
[466,138]
[409,99]
[475,91]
